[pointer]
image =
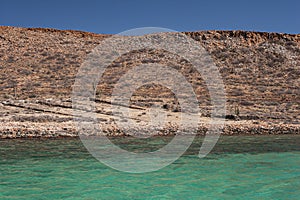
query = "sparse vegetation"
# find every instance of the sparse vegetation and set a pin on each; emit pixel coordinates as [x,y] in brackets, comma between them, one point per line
[259,71]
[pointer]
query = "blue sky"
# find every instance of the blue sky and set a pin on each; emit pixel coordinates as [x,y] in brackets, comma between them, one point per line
[114,16]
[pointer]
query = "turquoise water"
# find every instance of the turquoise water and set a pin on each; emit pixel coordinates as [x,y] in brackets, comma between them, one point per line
[240,167]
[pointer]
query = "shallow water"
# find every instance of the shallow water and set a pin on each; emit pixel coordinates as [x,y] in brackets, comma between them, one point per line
[240,167]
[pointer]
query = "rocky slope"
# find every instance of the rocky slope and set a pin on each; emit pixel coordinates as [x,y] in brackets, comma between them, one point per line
[261,73]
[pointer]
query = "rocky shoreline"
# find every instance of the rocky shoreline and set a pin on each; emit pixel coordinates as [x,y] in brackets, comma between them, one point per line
[44,131]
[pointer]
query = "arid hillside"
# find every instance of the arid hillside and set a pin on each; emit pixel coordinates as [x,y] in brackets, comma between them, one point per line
[261,71]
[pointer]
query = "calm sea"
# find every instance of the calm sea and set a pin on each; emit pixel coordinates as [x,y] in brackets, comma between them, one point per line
[239,167]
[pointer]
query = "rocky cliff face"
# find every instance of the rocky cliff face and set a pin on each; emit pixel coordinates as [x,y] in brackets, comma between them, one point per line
[261,71]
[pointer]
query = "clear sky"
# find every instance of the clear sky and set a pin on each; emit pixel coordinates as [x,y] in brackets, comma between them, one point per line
[114,16]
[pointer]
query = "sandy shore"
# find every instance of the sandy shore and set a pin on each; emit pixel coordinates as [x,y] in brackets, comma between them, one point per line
[50,119]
